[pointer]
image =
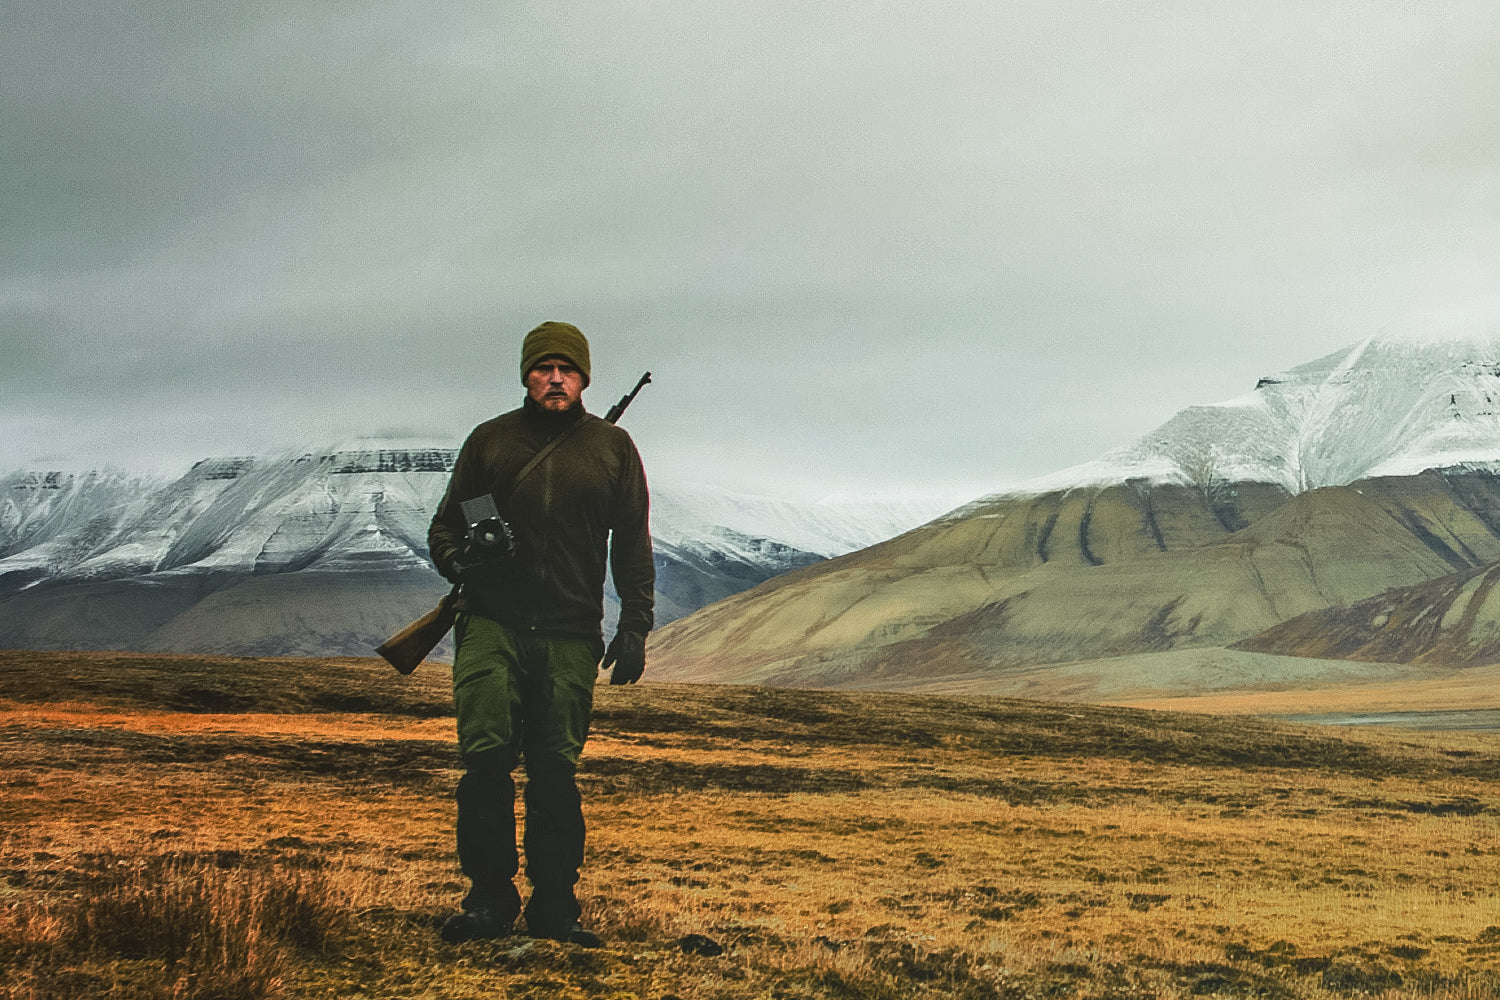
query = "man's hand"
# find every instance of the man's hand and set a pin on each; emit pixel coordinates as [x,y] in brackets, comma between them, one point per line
[458,570]
[627,654]
[478,572]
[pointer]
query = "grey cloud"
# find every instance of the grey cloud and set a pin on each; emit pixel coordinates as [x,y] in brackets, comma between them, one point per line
[352,212]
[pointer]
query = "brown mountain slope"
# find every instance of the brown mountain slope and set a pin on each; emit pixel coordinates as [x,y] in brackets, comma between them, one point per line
[1084,574]
[280,614]
[1453,621]
[970,559]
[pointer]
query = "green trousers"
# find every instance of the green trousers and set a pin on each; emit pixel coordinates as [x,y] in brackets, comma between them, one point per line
[521,697]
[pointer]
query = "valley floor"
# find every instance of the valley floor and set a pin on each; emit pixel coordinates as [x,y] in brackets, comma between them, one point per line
[1229,681]
[1475,689]
[213,827]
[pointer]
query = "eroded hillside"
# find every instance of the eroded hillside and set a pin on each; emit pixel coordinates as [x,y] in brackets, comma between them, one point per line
[1086,574]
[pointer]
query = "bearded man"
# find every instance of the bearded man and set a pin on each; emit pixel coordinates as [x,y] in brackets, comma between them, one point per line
[528,639]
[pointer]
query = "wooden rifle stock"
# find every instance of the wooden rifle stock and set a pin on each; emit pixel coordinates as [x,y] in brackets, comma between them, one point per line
[409,647]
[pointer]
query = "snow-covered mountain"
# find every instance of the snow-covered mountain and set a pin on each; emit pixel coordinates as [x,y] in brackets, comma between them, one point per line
[52,522]
[354,509]
[1421,395]
[357,511]
[239,515]
[688,517]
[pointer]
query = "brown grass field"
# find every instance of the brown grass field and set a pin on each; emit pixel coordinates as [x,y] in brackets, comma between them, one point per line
[200,827]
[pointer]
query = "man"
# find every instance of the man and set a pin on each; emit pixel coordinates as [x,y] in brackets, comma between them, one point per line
[528,635]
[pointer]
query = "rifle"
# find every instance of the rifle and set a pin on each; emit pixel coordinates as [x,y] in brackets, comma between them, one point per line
[613,416]
[409,647]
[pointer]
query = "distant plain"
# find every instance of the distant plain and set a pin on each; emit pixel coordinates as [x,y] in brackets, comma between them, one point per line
[833,844]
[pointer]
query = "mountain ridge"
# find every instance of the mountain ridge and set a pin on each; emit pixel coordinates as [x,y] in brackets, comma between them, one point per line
[106,558]
[1371,468]
[1420,396]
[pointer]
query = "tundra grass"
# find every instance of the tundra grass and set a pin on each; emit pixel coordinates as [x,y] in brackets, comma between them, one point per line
[200,827]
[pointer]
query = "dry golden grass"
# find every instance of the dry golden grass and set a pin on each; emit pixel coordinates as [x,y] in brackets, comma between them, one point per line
[834,845]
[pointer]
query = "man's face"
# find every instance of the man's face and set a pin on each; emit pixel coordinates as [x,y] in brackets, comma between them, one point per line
[554,384]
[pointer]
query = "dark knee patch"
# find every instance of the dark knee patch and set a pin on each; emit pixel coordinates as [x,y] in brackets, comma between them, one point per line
[494,761]
[550,766]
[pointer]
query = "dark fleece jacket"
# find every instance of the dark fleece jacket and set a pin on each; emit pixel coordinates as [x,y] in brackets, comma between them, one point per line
[585,504]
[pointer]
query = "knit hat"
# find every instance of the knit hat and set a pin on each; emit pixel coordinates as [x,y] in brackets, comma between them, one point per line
[562,340]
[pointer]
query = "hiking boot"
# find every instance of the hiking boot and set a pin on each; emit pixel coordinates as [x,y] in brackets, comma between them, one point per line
[568,933]
[473,925]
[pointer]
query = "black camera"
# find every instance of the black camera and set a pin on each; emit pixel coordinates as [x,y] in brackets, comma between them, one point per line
[490,538]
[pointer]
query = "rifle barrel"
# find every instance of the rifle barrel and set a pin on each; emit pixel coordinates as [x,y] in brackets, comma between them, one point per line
[616,411]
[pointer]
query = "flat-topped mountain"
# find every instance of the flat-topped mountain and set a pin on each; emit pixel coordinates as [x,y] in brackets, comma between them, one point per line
[325,552]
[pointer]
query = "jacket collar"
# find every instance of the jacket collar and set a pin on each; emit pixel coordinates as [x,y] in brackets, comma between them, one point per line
[547,418]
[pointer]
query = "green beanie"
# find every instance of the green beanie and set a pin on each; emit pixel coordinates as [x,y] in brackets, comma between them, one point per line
[562,340]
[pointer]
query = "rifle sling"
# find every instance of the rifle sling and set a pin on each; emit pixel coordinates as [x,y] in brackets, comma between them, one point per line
[541,455]
[526,469]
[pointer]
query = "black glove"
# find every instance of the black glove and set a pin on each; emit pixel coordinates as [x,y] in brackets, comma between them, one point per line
[479,572]
[462,570]
[454,571]
[627,654]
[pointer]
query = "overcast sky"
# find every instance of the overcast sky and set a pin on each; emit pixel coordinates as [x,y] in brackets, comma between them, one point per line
[916,246]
